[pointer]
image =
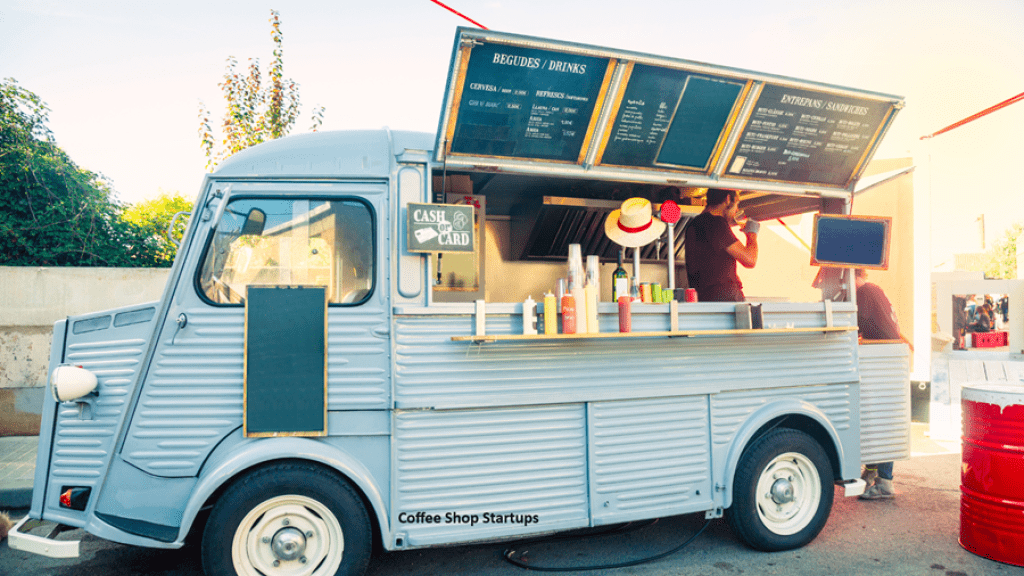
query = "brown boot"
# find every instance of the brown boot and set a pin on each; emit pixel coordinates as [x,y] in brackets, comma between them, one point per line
[869,475]
[882,489]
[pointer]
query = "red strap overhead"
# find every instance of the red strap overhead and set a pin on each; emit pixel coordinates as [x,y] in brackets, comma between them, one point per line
[984,112]
[457,13]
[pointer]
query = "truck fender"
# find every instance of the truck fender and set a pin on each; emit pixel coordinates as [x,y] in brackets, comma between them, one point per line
[760,417]
[245,455]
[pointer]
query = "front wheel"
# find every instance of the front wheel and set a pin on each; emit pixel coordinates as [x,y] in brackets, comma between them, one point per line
[782,491]
[288,520]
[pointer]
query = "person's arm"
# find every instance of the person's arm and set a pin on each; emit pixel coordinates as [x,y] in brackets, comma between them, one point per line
[745,255]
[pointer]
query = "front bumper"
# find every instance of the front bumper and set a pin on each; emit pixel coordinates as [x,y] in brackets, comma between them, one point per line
[20,539]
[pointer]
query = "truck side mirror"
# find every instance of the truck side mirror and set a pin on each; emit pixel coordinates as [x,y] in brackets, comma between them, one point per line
[254,223]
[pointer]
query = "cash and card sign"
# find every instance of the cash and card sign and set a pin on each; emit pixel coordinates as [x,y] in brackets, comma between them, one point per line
[440,228]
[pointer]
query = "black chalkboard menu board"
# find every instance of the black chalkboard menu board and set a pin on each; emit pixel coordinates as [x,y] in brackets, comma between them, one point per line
[538,106]
[670,117]
[521,102]
[285,361]
[799,135]
[861,241]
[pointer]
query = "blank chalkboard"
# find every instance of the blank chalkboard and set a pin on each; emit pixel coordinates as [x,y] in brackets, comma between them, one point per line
[861,241]
[285,361]
[699,121]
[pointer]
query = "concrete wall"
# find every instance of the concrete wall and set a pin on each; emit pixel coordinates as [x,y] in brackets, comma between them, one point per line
[31,300]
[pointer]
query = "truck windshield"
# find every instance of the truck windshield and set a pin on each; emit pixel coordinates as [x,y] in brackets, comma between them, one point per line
[303,242]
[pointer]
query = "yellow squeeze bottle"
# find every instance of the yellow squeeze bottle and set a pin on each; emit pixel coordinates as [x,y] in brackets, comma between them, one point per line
[550,314]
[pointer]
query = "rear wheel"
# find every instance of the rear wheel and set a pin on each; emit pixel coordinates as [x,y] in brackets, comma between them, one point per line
[782,492]
[288,520]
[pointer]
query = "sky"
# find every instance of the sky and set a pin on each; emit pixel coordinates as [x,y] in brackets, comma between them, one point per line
[124,80]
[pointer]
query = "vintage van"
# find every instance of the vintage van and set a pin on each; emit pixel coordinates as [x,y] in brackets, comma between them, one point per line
[309,384]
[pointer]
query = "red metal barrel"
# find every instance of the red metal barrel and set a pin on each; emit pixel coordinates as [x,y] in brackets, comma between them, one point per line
[992,472]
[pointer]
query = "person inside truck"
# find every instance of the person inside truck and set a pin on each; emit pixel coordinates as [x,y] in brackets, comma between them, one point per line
[712,250]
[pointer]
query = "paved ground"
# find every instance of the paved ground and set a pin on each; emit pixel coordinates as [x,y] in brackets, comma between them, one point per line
[17,469]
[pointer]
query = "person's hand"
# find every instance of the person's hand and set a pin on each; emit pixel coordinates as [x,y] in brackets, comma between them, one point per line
[751,227]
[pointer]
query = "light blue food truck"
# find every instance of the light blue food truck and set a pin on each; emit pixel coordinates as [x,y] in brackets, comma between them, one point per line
[340,360]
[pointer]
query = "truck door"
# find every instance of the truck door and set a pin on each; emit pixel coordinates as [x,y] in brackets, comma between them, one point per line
[270,234]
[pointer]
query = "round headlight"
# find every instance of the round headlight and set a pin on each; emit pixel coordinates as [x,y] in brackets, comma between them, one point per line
[69,383]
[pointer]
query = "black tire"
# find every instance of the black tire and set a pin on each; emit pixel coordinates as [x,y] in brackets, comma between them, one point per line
[795,496]
[301,511]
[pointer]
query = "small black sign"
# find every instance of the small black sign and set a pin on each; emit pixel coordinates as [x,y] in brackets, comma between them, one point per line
[527,103]
[797,135]
[440,228]
[851,241]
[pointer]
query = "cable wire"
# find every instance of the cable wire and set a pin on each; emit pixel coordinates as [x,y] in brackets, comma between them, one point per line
[509,552]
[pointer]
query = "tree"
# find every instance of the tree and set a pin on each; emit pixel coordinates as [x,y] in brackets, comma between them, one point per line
[154,217]
[255,112]
[1002,257]
[53,213]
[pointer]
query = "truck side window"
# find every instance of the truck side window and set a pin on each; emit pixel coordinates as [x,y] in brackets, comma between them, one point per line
[305,242]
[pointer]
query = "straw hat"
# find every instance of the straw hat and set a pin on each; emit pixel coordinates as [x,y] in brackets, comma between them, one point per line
[634,224]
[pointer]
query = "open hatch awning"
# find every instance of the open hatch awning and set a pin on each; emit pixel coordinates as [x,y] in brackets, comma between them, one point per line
[521,105]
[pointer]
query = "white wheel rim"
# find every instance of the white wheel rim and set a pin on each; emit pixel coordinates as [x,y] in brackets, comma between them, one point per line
[252,548]
[788,493]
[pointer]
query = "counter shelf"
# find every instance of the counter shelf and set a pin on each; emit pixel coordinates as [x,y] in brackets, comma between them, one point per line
[660,334]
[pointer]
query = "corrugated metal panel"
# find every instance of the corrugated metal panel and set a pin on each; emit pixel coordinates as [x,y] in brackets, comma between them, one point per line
[519,461]
[193,393]
[730,410]
[85,433]
[433,371]
[649,458]
[884,402]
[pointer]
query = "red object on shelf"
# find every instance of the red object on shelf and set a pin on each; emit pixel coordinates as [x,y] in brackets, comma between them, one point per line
[990,339]
[992,473]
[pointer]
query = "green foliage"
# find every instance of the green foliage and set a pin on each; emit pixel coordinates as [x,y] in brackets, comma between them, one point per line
[255,112]
[154,217]
[1003,255]
[53,213]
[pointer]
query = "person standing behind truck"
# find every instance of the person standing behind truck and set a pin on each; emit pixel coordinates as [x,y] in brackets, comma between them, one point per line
[712,249]
[877,321]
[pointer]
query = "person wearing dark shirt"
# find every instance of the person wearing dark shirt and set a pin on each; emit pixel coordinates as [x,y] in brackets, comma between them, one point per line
[876,321]
[983,320]
[712,249]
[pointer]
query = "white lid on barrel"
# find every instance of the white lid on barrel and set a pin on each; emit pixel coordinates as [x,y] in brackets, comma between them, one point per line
[1001,394]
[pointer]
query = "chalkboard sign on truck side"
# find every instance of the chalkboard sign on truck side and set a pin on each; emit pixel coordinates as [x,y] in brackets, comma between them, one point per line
[285,368]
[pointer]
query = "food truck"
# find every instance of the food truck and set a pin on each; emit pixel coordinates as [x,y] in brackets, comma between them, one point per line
[346,352]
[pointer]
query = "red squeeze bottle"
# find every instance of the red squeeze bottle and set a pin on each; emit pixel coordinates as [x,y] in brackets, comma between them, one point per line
[568,314]
[625,314]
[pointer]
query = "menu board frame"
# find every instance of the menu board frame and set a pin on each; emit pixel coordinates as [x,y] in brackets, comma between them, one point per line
[815,177]
[861,234]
